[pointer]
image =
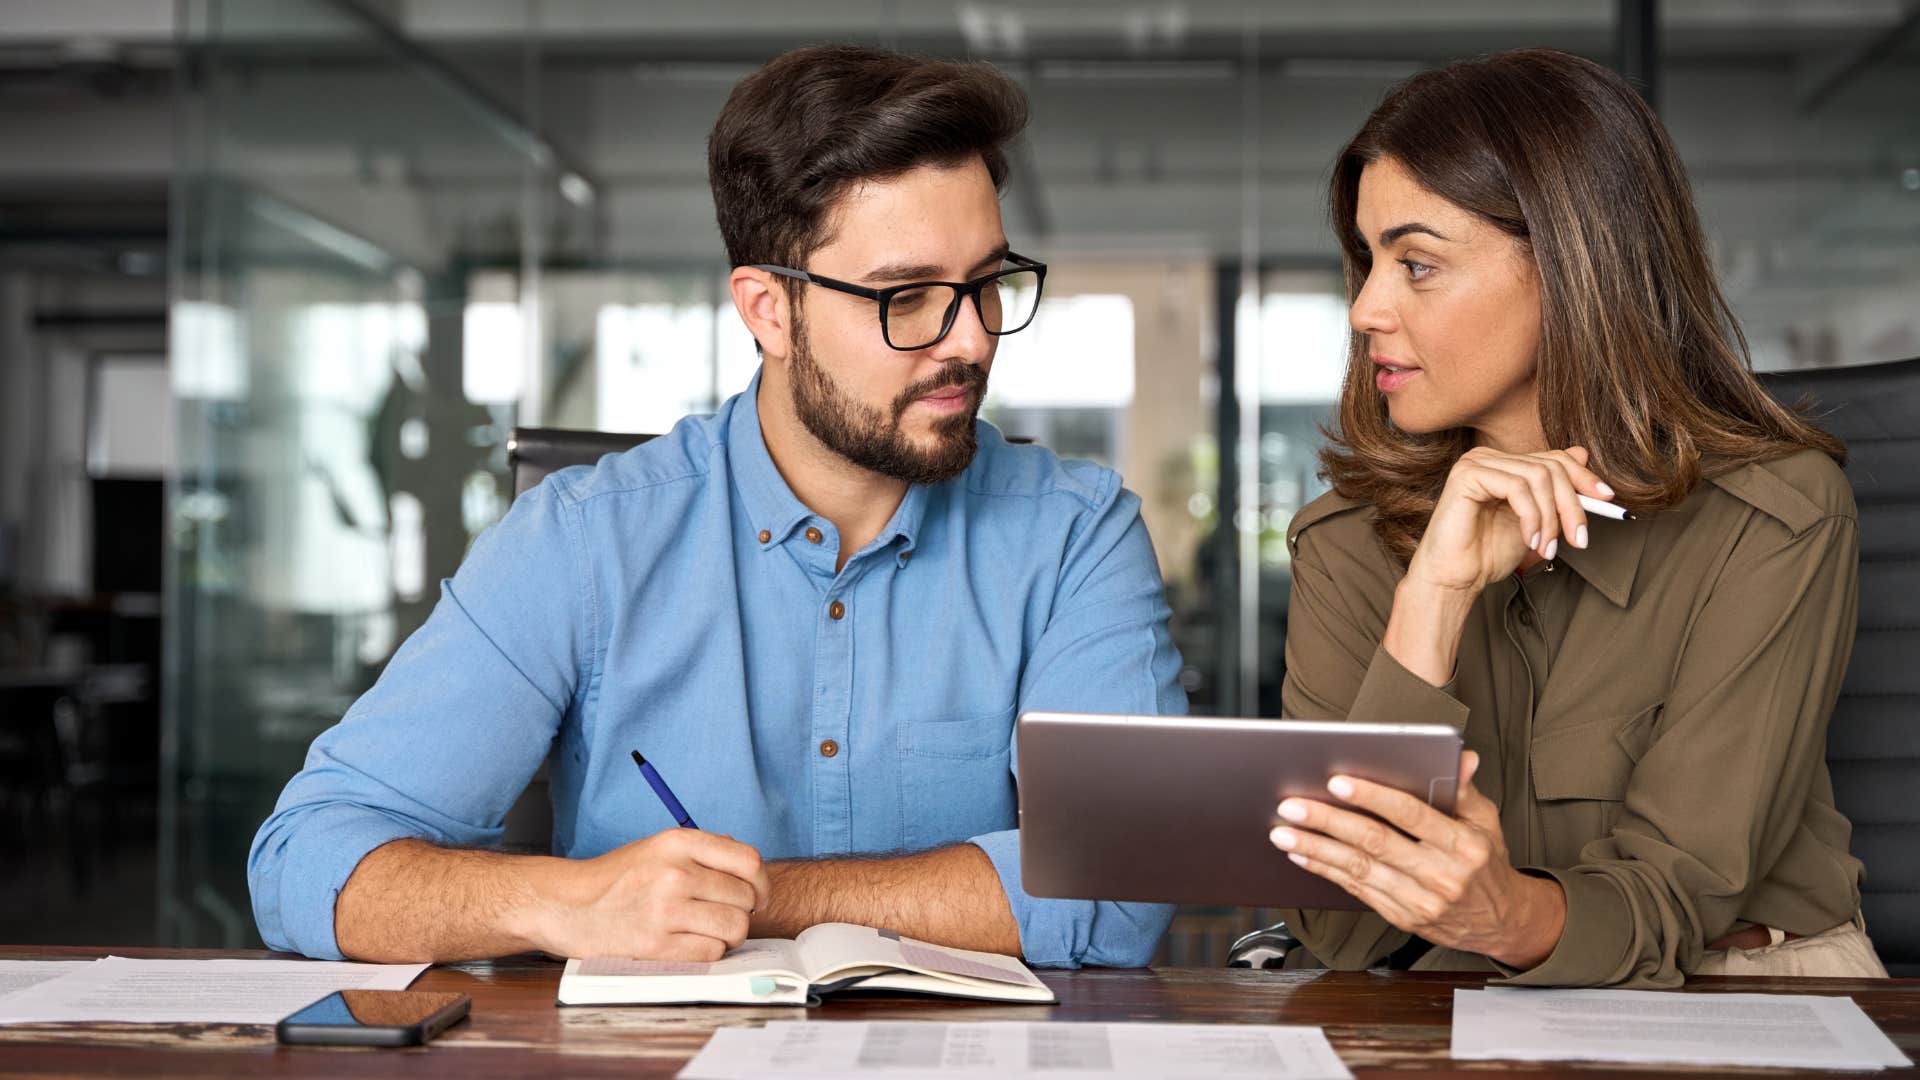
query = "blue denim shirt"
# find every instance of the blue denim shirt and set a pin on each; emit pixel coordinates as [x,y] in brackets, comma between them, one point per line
[679,600]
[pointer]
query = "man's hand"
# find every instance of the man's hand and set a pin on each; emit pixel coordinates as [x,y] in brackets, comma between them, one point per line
[681,894]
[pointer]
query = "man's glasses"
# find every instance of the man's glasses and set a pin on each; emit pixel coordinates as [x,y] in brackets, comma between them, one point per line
[918,315]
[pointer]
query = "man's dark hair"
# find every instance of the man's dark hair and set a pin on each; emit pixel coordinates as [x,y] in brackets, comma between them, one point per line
[800,131]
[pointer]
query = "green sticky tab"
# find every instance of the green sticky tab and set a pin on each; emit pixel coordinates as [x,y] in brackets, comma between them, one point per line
[762,985]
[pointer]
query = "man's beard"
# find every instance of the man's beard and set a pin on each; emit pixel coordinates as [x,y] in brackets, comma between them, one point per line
[872,439]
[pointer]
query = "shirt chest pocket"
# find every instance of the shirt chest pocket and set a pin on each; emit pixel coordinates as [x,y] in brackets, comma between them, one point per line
[957,780]
[1580,775]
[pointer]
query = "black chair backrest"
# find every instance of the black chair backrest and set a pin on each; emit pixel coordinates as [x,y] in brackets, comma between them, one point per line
[534,452]
[1873,746]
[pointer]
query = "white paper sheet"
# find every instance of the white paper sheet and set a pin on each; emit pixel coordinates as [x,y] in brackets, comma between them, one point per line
[903,1049]
[1785,1030]
[21,974]
[195,991]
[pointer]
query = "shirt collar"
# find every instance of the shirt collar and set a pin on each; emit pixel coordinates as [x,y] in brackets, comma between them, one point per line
[1611,558]
[771,505]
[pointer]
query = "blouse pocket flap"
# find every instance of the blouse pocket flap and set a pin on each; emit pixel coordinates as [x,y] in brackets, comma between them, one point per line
[1593,759]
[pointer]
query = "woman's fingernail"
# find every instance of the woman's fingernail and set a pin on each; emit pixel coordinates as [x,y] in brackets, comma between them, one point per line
[1533,542]
[1552,546]
[1283,838]
[1293,811]
[1341,786]
[1580,537]
[1605,491]
[1297,859]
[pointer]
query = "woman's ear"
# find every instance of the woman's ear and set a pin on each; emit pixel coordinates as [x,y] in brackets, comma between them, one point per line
[763,307]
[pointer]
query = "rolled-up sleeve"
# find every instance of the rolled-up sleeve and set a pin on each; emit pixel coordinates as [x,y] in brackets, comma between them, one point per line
[1753,691]
[1106,648]
[449,735]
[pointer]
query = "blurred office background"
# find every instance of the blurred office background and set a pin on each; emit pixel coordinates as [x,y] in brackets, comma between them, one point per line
[278,276]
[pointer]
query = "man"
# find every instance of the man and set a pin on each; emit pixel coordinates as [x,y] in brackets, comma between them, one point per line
[817,612]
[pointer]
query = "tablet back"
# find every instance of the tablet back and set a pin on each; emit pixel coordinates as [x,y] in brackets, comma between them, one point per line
[1177,809]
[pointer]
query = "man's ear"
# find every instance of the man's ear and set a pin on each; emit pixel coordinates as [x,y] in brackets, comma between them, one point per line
[762,306]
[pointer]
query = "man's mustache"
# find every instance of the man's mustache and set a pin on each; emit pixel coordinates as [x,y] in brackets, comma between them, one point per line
[970,376]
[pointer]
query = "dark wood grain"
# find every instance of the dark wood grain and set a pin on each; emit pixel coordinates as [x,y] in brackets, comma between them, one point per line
[1378,1022]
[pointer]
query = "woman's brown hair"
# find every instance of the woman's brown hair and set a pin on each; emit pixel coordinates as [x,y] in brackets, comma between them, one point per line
[1641,360]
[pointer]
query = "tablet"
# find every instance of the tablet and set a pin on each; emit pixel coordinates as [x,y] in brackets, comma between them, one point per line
[1177,809]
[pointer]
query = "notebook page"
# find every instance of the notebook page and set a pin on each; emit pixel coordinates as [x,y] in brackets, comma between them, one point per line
[832,947]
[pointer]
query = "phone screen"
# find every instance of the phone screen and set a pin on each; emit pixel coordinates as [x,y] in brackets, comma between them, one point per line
[373,1008]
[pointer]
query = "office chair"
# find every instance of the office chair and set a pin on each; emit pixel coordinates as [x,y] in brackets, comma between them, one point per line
[1873,741]
[532,453]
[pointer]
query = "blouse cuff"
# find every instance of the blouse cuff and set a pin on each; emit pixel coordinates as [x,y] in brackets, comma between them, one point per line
[1390,694]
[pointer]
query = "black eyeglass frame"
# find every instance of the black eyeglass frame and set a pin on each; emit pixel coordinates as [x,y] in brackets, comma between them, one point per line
[961,291]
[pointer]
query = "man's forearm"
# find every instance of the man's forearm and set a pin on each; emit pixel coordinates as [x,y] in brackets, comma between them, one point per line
[951,896]
[411,902]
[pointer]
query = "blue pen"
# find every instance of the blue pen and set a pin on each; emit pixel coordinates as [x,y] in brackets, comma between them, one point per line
[661,789]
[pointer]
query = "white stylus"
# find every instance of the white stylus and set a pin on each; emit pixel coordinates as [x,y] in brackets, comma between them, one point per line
[1606,509]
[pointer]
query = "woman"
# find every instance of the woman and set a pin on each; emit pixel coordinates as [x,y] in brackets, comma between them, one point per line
[1645,701]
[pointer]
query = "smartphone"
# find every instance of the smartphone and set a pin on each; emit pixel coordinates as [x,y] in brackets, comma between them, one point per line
[374,1018]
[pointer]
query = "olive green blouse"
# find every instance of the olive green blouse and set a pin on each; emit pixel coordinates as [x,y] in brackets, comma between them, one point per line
[1651,714]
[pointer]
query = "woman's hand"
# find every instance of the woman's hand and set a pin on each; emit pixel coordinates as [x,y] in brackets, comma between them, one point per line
[1495,508]
[1446,879]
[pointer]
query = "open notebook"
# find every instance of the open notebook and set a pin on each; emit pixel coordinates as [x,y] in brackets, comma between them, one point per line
[824,958]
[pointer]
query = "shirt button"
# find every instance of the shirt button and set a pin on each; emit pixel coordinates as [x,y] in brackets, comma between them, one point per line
[836,610]
[905,555]
[765,536]
[813,535]
[829,748]
[1526,617]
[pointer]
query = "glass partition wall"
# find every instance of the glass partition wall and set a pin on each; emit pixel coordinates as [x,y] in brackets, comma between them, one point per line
[343,381]
[396,240]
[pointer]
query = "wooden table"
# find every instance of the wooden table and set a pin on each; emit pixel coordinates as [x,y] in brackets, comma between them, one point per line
[1377,1022]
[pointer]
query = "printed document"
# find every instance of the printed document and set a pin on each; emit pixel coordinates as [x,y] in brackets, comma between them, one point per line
[895,1050]
[20,974]
[194,991]
[1800,1031]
